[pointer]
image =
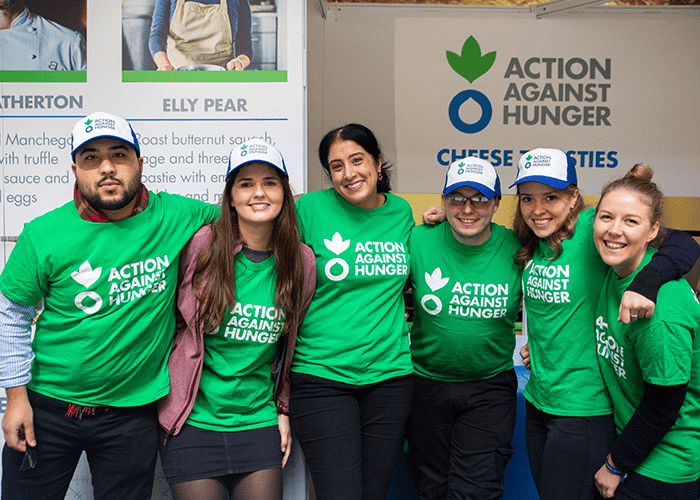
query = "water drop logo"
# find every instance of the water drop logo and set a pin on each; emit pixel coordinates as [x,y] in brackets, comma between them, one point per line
[337,245]
[470,64]
[87,276]
[435,281]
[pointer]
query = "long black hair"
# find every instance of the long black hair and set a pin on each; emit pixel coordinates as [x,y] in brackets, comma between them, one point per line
[365,138]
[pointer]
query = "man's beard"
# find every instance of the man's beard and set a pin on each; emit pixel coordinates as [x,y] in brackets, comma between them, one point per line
[96,201]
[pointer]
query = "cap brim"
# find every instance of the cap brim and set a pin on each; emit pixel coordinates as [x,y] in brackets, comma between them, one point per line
[106,136]
[543,179]
[256,160]
[489,193]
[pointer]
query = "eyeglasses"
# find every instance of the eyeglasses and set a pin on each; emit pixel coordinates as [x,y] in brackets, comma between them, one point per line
[477,201]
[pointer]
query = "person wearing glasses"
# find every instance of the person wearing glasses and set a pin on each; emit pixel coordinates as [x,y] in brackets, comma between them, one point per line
[466,293]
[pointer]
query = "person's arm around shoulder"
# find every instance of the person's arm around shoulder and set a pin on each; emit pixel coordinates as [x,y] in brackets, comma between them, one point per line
[15,365]
[676,257]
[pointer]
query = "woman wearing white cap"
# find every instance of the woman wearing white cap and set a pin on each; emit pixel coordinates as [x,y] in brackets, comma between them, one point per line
[246,284]
[569,424]
[350,381]
[467,293]
[650,367]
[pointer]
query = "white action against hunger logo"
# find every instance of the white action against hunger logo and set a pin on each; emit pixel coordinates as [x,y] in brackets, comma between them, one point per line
[337,245]
[87,276]
[435,281]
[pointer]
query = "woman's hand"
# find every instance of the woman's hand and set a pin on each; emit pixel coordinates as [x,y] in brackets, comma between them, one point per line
[525,355]
[434,215]
[162,62]
[238,64]
[285,437]
[607,482]
[634,306]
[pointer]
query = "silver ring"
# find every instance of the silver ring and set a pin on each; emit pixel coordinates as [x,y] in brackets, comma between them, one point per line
[633,315]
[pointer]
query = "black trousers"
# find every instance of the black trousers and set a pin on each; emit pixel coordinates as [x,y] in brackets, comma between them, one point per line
[460,436]
[121,446]
[638,487]
[350,434]
[566,452]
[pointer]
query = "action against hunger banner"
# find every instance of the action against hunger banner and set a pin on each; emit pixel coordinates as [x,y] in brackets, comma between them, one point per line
[610,91]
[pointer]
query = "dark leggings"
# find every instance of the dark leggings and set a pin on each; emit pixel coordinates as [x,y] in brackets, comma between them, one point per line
[566,452]
[638,487]
[258,485]
[350,434]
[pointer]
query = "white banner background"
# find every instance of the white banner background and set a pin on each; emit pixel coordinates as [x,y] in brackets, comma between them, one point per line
[170,119]
[651,96]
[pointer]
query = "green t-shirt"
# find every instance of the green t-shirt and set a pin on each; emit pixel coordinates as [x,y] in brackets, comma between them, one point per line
[560,300]
[466,301]
[355,331]
[661,350]
[104,336]
[235,391]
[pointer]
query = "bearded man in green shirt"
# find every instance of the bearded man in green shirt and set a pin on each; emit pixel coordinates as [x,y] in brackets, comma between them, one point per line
[105,265]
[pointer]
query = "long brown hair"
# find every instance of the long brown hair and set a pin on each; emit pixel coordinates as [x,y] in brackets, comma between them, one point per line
[530,240]
[213,279]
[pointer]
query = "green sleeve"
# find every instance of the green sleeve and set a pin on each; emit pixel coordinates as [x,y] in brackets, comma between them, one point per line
[22,281]
[665,353]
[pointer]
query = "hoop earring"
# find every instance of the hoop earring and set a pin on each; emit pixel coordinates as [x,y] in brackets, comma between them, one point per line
[380,176]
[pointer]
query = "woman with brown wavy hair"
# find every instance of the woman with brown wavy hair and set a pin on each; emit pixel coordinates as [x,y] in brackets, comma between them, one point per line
[246,283]
[569,426]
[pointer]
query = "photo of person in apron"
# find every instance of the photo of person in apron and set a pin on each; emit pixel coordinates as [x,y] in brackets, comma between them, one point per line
[201,32]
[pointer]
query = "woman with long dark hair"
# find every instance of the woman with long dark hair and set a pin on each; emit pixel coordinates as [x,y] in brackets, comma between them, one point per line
[350,381]
[246,284]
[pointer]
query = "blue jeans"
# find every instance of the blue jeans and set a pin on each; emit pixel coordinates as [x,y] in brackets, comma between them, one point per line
[350,434]
[566,452]
[121,445]
[459,436]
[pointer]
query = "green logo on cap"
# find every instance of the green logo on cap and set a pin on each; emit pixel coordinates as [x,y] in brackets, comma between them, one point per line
[471,65]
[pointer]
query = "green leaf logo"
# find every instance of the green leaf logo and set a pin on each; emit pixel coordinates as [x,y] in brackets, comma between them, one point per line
[243,148]
[461,164]
[88,122]
[528,157]
[471,65]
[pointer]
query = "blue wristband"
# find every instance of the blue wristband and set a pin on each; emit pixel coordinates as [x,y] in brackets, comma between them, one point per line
[614,470]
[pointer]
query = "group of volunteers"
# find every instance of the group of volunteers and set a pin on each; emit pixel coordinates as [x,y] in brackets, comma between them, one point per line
[213,334]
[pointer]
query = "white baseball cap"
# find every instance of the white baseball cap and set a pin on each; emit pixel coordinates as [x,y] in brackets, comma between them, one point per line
[255,150]
[548,166]
[100,125]
[473,172]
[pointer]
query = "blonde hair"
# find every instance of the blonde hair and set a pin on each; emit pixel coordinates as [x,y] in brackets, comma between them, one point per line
[638,179]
